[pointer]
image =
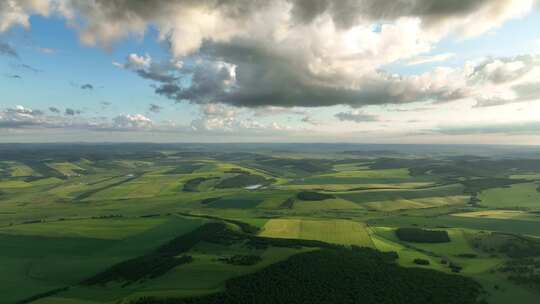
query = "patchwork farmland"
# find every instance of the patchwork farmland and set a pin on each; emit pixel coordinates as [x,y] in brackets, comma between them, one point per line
[151,223]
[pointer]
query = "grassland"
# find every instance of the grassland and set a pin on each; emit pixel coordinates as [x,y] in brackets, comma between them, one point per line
[330,231]
[67,168]
[501,214]
[391,200]
[62,259]
[519,196]
[106,228]
[68,215]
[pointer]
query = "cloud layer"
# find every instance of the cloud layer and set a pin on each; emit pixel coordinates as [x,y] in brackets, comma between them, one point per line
[513,128]
[286,53]
[356,116]
[20,117]
[260,67]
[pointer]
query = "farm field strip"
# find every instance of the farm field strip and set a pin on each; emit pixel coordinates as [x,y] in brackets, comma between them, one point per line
[524,196]
[331,231]
[501,214]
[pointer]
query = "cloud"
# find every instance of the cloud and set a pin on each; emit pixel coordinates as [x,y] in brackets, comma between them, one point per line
[503,70]
[18,12]
[71,112]
[54,110]
[282,53]
[14,76]
[417,109]
[25,67]
[47,51]
[155,108]
[23,111]
[251,77]
[146,68]
[466,17]
[499,81]
[271,111]
[356,116]
[523,128]
[137,62]
[20,116]
[310,120]
[132,122]
[87,87]
[214,120]
[222,119]
[8,50]
[430,59]
[187,23]
[215,117]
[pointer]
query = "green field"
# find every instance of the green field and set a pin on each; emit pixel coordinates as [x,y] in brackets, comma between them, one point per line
[334,231]
[391,200]
[67,168]
[61,258]
[92,228]
[501,214]
[519,196]
[65,219]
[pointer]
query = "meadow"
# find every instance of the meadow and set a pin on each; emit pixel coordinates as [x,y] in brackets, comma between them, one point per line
[199,221]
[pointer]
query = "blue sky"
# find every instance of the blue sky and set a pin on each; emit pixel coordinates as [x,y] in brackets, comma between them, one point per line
[72,65]
[210,77]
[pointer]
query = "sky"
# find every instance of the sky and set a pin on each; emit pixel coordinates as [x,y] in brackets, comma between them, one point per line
[358,71]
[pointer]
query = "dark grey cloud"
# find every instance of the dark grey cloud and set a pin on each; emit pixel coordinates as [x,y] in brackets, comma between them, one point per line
[54,110]
[310,120]
[7,50]
[144,67]
[38,113]
[242,70]
[155,108]
[14,124]
[87,86]
[250,76]
[23,67]
[72,112]
[30,68]
[357,117]
[346,13]
[156,76]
